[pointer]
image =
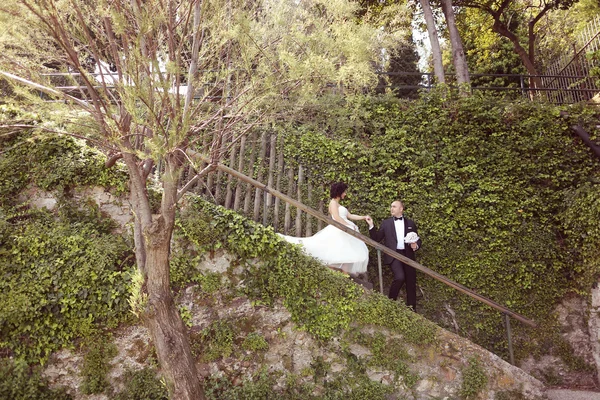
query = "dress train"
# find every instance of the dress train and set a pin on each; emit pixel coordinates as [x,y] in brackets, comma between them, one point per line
[335,247]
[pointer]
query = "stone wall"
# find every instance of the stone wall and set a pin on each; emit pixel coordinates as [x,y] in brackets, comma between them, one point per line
[112,206]
[439,368]
[579,327]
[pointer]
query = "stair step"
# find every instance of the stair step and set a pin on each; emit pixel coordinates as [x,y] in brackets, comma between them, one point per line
[567,394]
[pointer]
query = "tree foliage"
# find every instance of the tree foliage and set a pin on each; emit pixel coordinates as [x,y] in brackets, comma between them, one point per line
[487,52]
[399,56]
[519,21]
[560,31]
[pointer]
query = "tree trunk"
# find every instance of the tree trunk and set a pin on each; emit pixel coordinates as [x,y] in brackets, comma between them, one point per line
[436,52]
[531,41]
[527,61]
[458,53]
[161,315]
[582,133]
[165,325]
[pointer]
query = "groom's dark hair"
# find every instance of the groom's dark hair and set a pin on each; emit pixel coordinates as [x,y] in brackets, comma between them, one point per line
[337,189]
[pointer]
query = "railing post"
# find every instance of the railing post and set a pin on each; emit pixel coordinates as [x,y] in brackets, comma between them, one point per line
[523,91]
[380,275]
[509,337]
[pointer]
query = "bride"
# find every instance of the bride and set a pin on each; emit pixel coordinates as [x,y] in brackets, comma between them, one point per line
[333,246]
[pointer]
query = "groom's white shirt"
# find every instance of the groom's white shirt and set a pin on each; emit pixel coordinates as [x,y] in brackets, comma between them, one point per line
[399,225]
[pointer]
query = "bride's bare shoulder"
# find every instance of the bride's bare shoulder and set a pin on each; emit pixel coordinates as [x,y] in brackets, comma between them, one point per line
[333,207]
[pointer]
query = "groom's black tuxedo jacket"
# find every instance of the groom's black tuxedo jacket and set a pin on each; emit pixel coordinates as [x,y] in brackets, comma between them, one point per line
[387,232]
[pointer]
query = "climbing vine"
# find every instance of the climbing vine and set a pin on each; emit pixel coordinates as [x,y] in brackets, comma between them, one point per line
[62,279]
[504,194]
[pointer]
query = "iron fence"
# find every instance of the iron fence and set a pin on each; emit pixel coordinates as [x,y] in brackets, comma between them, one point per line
[556,89]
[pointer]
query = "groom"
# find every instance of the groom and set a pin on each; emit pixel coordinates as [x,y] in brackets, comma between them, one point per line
[393,231]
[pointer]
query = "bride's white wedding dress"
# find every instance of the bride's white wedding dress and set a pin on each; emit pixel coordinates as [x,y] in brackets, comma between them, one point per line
[335,247]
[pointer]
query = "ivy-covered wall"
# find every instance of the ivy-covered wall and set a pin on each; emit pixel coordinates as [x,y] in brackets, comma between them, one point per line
[505,196]
[65,274]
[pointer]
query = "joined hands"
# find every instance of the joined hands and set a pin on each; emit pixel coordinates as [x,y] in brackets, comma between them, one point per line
[369,221]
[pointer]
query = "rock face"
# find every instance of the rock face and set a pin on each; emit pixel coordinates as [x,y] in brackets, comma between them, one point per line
[133,346]
[579,327]
[113,206]
[503,377]
[437,371]
[594,326]
[109,204]
[38,198]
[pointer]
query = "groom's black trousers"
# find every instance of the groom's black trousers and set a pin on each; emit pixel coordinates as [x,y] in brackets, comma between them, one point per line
[404,274]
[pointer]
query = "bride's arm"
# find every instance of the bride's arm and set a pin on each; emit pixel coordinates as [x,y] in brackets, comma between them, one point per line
[356,217]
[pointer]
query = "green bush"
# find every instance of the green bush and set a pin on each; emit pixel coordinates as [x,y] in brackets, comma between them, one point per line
[255,342]
[63,277]
[389,354]
[142,385]
[96,365]
[18,381]
[474,379]
[209,282]
[217,340]
[52,162]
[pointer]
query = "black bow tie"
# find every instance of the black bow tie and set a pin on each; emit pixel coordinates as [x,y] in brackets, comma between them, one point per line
[398,218]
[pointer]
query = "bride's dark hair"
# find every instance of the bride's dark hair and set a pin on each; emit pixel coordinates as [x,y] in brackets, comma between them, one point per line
[337,189]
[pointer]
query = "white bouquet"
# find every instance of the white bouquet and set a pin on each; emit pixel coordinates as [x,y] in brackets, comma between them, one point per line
[411,237]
